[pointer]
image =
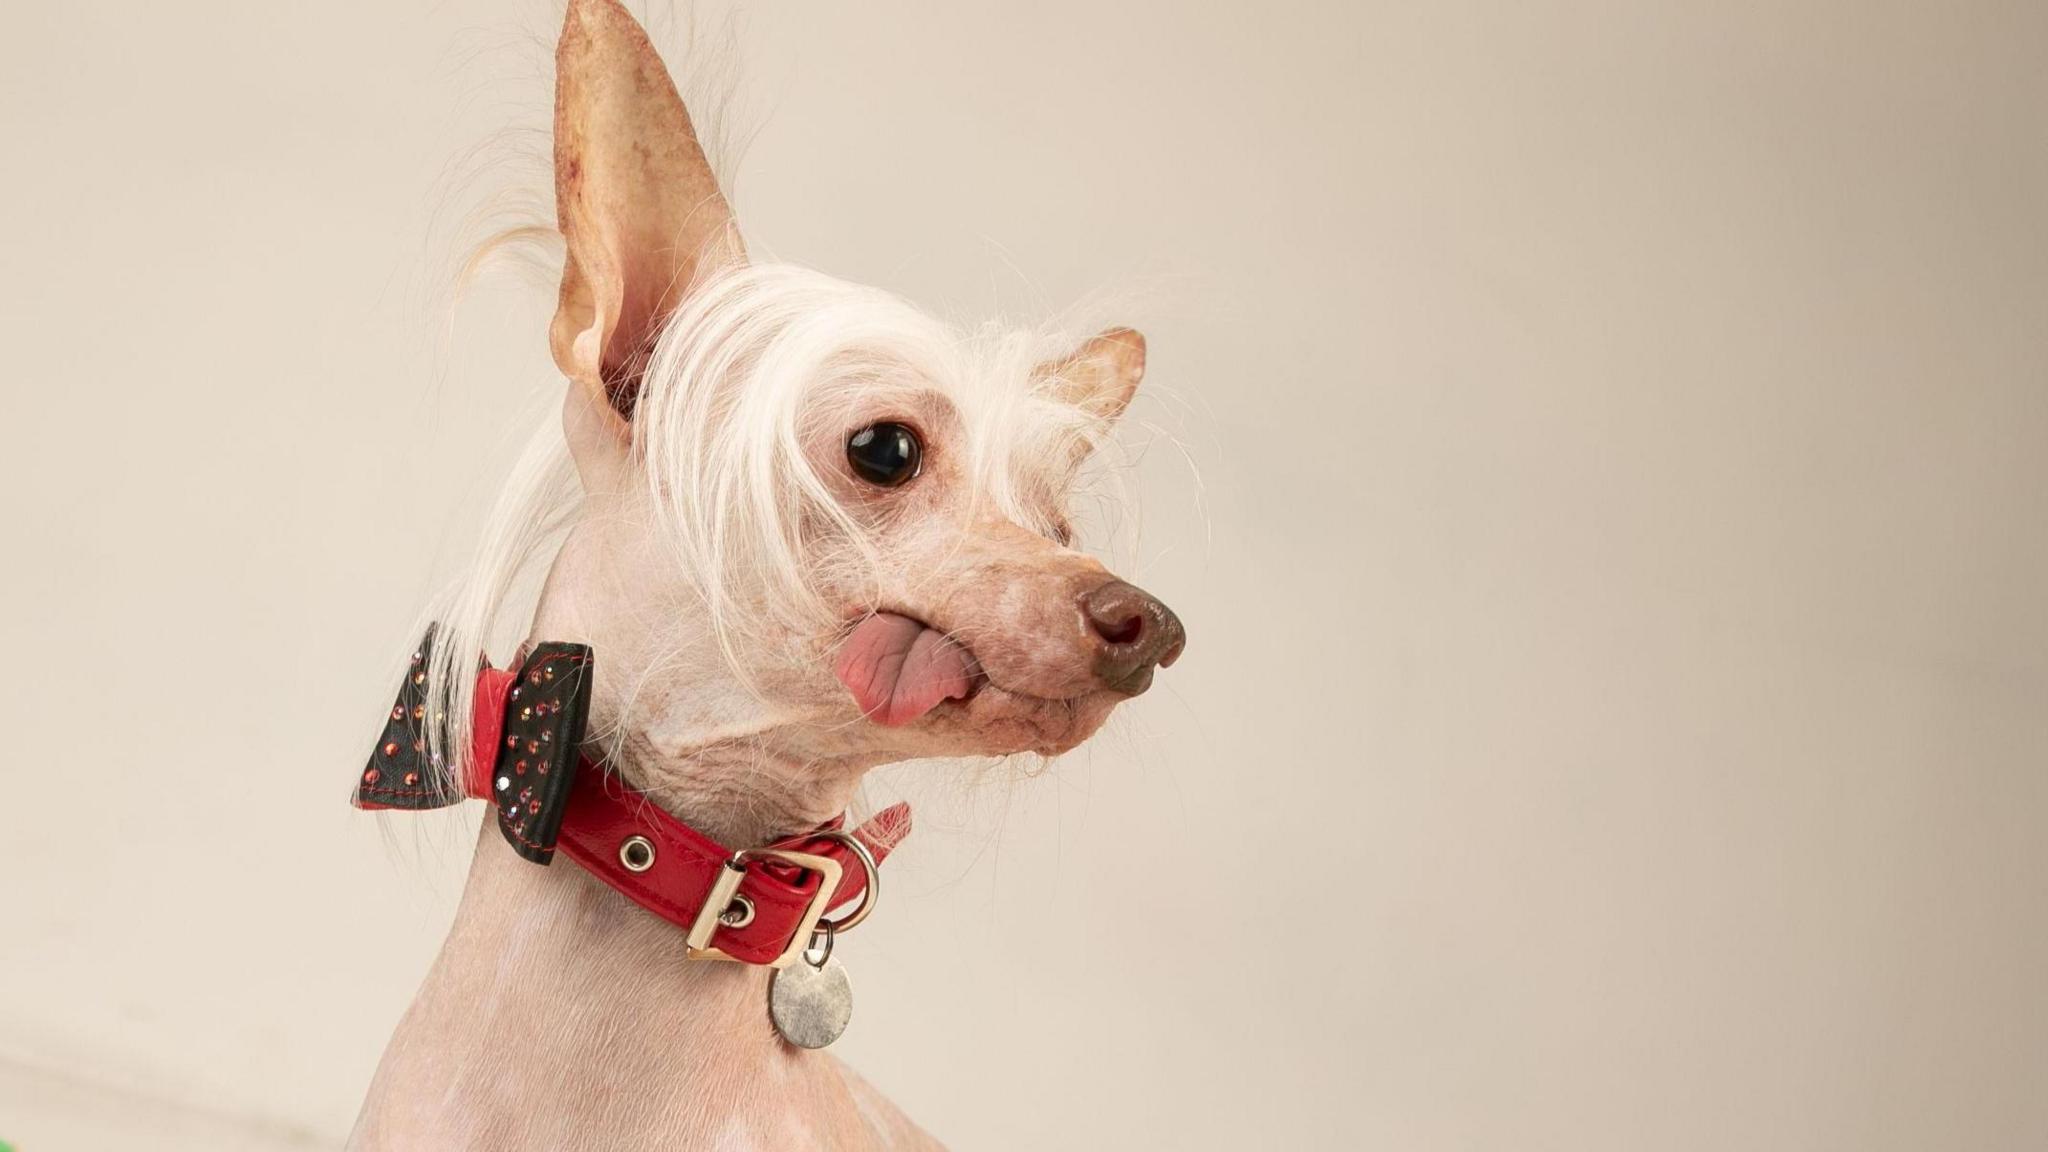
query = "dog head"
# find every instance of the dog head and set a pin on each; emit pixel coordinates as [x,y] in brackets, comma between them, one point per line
[820,530]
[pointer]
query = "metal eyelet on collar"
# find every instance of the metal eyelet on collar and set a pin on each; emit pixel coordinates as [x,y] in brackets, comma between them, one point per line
[637,853]
[737,914]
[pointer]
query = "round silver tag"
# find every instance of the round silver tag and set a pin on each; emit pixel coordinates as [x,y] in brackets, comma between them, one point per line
[810,1004]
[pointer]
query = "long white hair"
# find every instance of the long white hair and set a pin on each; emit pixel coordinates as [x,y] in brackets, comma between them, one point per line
[752,356]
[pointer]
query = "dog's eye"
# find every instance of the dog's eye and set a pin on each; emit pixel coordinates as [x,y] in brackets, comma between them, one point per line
[885,454]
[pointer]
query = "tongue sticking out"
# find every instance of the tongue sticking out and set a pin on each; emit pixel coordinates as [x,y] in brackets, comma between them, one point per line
[898,669]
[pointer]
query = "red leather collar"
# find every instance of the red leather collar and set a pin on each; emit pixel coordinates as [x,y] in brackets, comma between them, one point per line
[613,831]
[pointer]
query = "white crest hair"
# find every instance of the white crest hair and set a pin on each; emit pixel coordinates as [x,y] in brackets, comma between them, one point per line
[734,385]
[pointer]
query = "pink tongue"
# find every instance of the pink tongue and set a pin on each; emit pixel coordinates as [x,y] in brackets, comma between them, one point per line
[898,669]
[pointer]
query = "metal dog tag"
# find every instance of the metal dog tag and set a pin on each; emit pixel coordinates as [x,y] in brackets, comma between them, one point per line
[810,1003]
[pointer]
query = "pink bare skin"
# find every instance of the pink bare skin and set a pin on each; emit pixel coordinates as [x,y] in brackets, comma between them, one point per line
[985,637]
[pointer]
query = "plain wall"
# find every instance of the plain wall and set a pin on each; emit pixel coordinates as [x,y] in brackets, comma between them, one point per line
[1605,487]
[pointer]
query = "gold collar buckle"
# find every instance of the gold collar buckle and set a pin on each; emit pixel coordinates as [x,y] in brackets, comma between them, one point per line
[724,898]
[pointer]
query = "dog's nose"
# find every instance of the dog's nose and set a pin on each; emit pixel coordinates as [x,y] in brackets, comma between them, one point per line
[1138,634]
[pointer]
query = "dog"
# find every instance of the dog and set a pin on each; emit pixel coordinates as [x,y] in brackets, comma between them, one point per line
[808,531]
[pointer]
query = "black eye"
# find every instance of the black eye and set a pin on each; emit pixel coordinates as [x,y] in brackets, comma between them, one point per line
[885,454]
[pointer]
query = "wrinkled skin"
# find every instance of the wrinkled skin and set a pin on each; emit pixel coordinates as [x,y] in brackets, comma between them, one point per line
[560,1016]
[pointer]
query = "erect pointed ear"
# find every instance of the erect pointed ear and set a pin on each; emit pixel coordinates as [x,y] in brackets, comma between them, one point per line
[1102,375]
[635,199]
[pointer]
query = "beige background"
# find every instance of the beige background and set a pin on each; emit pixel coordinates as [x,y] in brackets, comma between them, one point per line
[1618,571]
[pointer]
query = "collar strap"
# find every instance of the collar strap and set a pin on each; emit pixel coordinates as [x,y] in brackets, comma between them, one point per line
[758,906]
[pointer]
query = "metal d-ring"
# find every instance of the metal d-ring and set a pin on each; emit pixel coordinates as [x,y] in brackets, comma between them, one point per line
[869,894]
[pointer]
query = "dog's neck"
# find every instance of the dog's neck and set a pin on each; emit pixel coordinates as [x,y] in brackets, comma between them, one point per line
[740,790]
[560,1015]
[742,764]
[584,958]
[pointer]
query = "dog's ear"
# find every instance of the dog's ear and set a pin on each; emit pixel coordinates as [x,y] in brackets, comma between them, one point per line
[635,199]
[1102,375]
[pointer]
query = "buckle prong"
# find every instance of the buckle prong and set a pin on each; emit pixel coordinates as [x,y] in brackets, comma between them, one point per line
[722,891]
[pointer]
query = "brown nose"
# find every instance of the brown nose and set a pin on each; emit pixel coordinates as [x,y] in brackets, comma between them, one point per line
[1138,634]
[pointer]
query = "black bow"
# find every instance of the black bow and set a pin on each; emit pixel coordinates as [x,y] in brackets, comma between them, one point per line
[532,743]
